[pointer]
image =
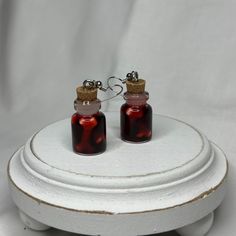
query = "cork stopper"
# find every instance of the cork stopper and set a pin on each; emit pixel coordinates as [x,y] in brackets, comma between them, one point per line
[135,86]
[86,94]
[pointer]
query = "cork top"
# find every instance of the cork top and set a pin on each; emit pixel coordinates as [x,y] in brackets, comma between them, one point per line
[86,94]
[135,86]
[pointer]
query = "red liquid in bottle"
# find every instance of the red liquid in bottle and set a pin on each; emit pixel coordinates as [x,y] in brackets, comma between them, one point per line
[136,118]
[88,133]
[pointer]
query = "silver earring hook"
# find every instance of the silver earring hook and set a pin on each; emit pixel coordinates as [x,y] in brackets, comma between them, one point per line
[132,76]
[89,84]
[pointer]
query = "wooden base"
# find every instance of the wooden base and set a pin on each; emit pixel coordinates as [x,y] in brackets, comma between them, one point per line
[174,182]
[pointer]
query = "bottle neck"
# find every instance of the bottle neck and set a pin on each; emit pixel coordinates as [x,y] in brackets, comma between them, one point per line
[87,108]
[136,99]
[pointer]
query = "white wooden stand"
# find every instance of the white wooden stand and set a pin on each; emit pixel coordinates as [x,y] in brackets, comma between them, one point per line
[175,181]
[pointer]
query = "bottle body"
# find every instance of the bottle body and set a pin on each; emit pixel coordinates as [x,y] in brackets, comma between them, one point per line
[88,129]
[136,118]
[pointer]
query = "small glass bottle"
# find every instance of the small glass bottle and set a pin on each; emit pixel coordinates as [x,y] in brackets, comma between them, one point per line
[136,114]
[88,123]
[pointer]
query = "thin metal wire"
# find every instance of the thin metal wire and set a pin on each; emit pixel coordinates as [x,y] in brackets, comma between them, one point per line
[133,76]
[99,85]
[112,87]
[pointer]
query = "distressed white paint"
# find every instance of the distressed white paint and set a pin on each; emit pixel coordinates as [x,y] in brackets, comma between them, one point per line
[32,223]
[132,189]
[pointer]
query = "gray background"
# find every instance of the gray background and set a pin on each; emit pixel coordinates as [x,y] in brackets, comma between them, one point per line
[186,50]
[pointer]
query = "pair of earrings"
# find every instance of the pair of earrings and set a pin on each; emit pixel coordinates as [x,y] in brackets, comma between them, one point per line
[89,123]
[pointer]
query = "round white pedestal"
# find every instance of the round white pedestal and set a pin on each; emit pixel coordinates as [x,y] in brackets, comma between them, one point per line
[175,181]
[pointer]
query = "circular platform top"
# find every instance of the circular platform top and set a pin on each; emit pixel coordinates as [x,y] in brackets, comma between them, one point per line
[174,146]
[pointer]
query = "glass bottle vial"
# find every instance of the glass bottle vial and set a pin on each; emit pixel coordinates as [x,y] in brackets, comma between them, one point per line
[136,113]
[88,123]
